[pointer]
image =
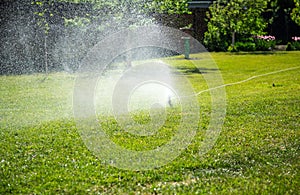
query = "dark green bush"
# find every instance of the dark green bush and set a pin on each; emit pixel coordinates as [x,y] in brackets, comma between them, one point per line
[215,39]
[215,43]
[246,46]
[242,46]
[293,46]
[290,47]
[264,45]
[297,45]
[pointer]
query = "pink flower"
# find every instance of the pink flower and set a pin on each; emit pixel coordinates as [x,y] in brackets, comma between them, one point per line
[266,37]
[296,38]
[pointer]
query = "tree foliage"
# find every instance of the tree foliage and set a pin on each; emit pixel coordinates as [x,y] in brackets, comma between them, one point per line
[69,28]
[230,18]
[170,6]
[43,12]
[115,12]
[295,15]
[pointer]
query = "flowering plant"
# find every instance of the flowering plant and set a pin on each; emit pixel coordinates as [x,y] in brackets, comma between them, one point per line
[296,38]
[266,37]
[294,45]
[265,42]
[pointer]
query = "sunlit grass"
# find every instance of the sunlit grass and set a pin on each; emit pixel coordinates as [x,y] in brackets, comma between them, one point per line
[257,152]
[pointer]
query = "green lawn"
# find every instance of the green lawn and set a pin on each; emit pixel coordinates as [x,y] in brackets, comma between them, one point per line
[258,151]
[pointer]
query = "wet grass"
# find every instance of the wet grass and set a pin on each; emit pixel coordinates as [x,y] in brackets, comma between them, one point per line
[258,151]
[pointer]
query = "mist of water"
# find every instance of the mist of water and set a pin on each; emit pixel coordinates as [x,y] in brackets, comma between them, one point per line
[139,89]
[23,51]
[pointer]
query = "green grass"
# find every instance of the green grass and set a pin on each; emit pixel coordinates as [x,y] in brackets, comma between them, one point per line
[258,151]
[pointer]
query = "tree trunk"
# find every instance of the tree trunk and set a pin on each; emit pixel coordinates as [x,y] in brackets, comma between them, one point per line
[233,38]
[46,55]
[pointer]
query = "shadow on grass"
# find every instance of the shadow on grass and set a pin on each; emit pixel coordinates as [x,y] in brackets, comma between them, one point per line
[182,58]
[259,53]
[194,70]
[189,70]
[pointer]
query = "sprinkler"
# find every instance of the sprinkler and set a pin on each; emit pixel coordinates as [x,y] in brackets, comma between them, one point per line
[170,102]
[186,47]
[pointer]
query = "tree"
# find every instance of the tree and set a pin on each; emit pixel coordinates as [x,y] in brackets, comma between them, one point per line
[43,12]
[80,30]
[229,18]
[295,15]
[170,6]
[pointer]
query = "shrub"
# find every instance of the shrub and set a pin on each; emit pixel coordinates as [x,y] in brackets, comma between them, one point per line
[265,43]
[215,40]
[242,46]
[246,46]
[294,45]
[232,49]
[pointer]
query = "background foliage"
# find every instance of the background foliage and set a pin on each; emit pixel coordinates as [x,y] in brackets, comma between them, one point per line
[296,12]
[229,19]
[38,35]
